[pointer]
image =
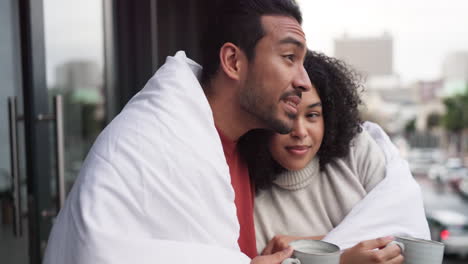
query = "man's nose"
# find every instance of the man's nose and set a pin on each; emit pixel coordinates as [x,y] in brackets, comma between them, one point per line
[302,81]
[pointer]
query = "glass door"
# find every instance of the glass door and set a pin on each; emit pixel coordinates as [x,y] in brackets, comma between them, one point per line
[25,148]
[13,201]
[51,110]
[74,36]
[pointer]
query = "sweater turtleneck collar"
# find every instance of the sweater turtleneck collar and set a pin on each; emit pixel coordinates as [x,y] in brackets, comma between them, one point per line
[296,180]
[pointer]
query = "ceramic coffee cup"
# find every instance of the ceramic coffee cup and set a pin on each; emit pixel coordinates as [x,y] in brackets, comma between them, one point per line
[421,251]
[313,252]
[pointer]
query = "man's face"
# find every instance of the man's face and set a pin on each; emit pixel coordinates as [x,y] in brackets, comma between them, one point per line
[276,76]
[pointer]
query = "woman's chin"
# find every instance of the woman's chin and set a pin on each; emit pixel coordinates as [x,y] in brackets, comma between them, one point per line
[295,166]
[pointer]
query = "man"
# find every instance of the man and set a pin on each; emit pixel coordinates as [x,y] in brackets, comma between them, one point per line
[254,79]
[155,187]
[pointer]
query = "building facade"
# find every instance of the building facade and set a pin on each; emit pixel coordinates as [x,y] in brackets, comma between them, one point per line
[67,68]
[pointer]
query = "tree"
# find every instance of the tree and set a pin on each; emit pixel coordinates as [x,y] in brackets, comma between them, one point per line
[410,126]
[455,119]
[434,120]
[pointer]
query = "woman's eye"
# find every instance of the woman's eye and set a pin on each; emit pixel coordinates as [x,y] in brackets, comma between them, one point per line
[313,115]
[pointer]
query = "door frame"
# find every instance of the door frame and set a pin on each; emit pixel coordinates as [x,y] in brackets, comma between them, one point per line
[37,128]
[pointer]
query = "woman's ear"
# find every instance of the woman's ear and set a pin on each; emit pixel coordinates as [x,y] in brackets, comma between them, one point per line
[232,60]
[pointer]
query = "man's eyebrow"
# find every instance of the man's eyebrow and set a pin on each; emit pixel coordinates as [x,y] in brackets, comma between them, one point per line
[290,40]
[315,105]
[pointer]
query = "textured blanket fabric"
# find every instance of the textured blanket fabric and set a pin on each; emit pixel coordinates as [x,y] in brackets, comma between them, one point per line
[393,207]
[155,187]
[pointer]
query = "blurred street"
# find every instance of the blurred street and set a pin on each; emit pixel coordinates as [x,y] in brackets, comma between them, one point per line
[438,196]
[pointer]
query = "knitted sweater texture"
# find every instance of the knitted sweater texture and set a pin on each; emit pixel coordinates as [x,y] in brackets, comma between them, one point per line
[311,202]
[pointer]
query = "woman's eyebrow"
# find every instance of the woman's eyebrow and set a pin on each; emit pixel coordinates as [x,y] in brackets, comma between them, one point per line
[315,105]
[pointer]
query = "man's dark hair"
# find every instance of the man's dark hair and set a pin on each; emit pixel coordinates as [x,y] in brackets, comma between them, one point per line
[338,87]
[238,22]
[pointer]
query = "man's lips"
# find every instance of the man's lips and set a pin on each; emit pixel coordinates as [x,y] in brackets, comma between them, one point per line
[298,150]
[292,102]
[293,99]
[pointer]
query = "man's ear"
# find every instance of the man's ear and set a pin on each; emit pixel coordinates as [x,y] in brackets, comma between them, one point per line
[232,60]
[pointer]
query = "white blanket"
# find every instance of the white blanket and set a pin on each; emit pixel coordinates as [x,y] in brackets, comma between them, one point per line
[393,207]
[155,187]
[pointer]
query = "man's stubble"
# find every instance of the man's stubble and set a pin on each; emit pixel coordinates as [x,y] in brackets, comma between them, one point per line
[252,99]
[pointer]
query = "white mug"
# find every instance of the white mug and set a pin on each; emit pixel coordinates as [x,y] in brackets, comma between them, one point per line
[421,251]
[313,252]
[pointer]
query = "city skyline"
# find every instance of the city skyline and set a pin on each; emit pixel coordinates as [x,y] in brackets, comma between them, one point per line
[425,32]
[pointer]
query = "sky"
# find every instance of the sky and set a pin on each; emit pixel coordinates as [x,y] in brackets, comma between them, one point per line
[73,31]
[424,31]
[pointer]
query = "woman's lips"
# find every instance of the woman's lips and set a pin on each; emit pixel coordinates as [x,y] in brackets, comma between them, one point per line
[298,150]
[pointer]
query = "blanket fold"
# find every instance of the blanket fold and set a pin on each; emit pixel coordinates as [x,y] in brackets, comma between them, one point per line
[393,207]
[155,187]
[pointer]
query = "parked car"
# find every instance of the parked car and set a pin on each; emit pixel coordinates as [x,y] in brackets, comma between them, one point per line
[436,172]
[463,187]
[451,170]
[421,159]
[450,228]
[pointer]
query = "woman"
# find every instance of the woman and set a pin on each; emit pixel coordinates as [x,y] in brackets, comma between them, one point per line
[309,180]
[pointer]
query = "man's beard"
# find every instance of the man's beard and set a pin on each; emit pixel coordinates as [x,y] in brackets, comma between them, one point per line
[254,103]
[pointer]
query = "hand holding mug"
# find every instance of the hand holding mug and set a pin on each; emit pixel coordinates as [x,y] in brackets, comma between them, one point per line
[380,250]
[281,242]
[313,252]
[422,251]
[276,258]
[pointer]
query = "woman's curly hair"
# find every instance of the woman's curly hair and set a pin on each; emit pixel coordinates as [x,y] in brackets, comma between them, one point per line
[338,87]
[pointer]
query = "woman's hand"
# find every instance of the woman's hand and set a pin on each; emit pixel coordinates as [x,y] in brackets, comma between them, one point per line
[280,242]
[365,253]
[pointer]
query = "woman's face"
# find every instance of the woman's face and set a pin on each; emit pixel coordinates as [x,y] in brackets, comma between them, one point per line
[295,150]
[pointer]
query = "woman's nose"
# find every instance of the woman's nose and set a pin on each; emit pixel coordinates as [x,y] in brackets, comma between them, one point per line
[299,130]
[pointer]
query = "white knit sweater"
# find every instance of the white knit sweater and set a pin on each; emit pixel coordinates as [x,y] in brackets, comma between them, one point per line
[310,202]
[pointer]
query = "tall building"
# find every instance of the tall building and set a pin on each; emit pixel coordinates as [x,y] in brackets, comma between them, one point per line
[455,66]
[455,73]
[372,56]
[429,91]
[385,98]
[80,74]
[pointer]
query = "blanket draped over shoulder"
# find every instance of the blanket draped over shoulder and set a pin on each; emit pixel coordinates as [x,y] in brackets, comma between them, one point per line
[155,187]
[393,207]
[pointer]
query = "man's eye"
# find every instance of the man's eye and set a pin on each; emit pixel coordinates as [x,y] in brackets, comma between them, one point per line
[290,57]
